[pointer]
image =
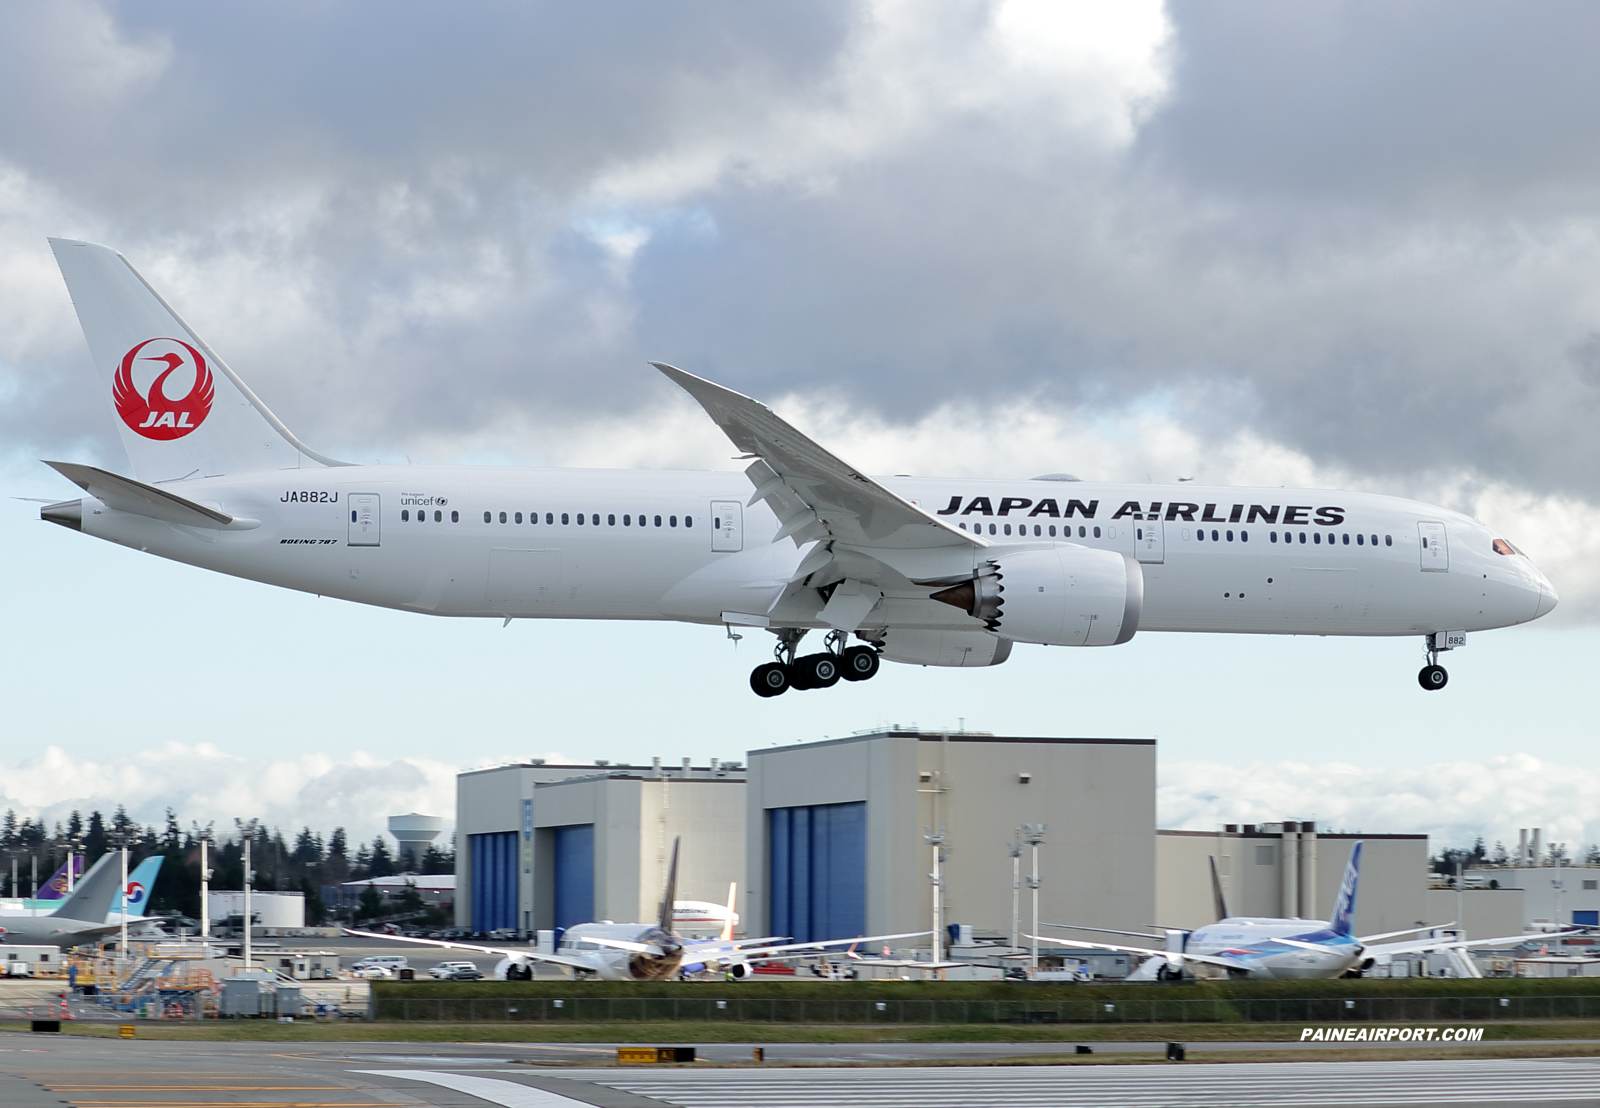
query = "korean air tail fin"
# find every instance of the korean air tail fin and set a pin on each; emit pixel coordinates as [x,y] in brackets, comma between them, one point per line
[1344,908]
[91,900]
[181,411]
[140,884]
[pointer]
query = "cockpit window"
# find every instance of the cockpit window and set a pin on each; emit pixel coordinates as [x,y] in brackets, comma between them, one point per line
[1503,547]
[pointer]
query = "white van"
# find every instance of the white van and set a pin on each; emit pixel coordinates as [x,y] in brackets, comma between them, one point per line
[394,963]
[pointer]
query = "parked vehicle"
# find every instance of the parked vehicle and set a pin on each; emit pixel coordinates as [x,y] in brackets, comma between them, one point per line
[444,970]
[371,972]
[467,973]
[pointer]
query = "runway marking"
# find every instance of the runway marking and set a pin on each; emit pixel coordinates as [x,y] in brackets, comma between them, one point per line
[508,1094]
[1247,1085]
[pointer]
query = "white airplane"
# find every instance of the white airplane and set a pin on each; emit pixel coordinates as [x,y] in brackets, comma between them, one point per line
[644,951]
[83,915]
[1272,947]
[927,571]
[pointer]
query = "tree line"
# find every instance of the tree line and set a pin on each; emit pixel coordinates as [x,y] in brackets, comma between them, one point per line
[307,864]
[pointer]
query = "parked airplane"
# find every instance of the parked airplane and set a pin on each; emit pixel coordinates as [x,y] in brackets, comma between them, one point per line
[642,951]
[137,891]
[1263,946]
[920,570]
[81,917]
[52,890]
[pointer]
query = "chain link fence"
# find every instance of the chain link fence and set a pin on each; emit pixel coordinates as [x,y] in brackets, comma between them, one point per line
[1377,1009]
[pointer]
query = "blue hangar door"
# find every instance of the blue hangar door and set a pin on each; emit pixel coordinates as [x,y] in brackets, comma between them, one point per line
[818,867]
[494,880]
[574,877]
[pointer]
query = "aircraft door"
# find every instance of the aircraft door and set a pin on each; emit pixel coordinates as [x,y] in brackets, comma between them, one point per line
[727,525]
[365,522]
[1149,542]
[1435,547]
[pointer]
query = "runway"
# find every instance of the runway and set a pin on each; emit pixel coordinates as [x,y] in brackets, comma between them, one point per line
[51,1072]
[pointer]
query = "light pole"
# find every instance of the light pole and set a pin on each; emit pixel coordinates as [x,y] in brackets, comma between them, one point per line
[247,876]
[1015,848]
[936,877]
[119,839]
[205,882]
[1033,835]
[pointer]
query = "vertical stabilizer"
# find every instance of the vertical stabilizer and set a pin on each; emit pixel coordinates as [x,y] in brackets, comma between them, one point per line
[141,882]
[181,411]
[91,901]
[56,887]
[670,897]
[1344,908]
[1219,901]
[727,924]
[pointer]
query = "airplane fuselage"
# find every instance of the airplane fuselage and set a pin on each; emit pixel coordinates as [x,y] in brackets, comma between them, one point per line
[1251,940]
[674,545]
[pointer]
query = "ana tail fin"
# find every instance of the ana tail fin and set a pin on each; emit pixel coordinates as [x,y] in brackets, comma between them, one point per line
[727,924]
[1219,901]
[181,411]
[1344,908]
[670,896]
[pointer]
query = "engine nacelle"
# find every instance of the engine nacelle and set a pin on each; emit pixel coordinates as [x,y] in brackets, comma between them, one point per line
[1060,595]
[945,648]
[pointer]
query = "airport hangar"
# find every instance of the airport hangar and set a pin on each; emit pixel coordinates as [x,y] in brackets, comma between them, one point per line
[829,840]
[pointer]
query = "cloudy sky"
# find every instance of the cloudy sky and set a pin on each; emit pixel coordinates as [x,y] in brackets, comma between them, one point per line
[1342,244]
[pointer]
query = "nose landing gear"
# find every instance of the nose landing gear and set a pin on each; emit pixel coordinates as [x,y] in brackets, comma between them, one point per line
[813,671]
[1433,676]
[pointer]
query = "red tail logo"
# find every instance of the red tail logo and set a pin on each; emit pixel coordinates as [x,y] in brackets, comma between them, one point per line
[154,413]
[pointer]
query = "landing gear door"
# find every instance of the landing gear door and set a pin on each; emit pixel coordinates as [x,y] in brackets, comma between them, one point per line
[1149,541]
[364,519]
[1435,549]
[727,525]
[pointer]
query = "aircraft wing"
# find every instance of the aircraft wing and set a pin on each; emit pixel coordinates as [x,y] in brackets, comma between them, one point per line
[763,953]
[1403,931]
[127,495]
[1208,959]
[1419,946]
[815,494]
[533,956]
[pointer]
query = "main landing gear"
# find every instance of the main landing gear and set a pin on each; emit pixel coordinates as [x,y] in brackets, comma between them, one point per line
[813,671]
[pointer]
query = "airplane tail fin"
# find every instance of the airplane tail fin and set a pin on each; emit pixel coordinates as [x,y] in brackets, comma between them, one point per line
[140,884]
[56,887]
[91,900]
[1219,900]
[670,896]
[181,411]
[727,924]
[1344,908]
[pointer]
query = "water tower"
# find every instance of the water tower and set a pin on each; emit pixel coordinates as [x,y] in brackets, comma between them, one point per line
[414,832]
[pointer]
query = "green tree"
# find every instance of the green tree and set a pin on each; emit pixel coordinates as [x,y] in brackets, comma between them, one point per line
[370,905]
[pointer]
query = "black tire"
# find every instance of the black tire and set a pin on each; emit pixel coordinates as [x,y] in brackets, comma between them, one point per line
[818,671]
[1433,678]
[860,664]
[772,679]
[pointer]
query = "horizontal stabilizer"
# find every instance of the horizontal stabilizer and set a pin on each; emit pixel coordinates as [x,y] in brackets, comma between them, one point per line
[127,495]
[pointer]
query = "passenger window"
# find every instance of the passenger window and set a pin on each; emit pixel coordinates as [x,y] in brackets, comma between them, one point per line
[438,516]
[405,515]
[1185,534]
[627,521]
[672,520]
[550,517]
[658,521]
[455,517]
[1052,531]
[1272,536]
[688,521]
[519,517]
[1317,538]
[963,526]
[1374,540]
[1007,528]
[991,528]
[611,521]
[1214,536]
[1302,538]
[1361,540]
[1230,536]
[486,517]
[1244,536]
[1096,532]
[502,517]
[563,519]
[1388,540]
[1200,536]
[1347,540]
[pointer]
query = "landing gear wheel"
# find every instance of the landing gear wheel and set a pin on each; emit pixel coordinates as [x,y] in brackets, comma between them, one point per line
[1432,677]
[772,679]
[860,663]
[817,671]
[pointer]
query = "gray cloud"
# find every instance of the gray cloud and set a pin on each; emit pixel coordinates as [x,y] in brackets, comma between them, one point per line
[1364,232]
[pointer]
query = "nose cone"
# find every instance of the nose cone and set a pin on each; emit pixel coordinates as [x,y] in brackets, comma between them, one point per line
[1547,598]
